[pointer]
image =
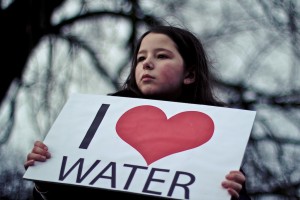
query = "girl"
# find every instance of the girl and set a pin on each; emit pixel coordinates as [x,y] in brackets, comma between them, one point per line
[170,64]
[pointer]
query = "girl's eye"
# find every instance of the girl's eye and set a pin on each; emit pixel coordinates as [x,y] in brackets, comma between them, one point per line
[162,56]
[141,58]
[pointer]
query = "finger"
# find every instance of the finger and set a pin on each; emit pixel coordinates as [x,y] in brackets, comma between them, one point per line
[40,148]
[28,163]
[232,188]
[233,193]
[36,157]
[236,176]
[40,144]
[40,151]
[232,185]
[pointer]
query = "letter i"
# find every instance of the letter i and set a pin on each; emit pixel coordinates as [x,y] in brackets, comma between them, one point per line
[94,126]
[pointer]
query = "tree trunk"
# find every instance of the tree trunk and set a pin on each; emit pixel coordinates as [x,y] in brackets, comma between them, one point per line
[22,24]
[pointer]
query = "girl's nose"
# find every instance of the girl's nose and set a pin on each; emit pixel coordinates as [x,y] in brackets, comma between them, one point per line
[147,64]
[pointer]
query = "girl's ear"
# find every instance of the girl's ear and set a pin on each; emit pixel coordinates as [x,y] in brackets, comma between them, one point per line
[189,77]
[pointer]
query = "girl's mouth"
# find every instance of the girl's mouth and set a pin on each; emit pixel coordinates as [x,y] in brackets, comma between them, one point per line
[147,77]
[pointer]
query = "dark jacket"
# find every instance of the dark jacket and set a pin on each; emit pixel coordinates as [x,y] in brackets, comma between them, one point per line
[58,191]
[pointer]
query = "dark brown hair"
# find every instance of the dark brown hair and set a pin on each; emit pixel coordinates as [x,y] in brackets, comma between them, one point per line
[194,57]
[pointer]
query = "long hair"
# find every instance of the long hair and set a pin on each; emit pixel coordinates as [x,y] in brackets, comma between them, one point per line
[195,59]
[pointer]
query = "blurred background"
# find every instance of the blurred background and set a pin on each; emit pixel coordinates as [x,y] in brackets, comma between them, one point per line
[53,48]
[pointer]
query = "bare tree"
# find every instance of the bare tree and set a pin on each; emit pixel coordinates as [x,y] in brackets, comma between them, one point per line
[22,33]
[272,157]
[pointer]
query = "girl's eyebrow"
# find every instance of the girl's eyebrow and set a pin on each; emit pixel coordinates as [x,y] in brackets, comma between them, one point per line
[155,50]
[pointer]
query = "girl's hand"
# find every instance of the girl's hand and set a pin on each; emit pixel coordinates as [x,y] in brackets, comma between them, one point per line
[38,153]
[234,183]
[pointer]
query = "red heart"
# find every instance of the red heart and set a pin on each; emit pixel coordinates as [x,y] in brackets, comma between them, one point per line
[147,129]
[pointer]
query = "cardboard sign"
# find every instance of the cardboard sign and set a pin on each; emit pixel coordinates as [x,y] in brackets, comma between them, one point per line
[151,147]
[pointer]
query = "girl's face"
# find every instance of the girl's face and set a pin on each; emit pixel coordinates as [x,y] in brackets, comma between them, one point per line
[160,71]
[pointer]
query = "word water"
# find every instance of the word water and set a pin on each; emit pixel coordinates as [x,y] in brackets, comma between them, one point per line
[108,172]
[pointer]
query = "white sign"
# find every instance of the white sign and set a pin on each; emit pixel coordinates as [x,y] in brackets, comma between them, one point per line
[160,148]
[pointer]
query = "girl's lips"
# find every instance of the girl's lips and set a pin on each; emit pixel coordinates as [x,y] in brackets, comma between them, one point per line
[147,77]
